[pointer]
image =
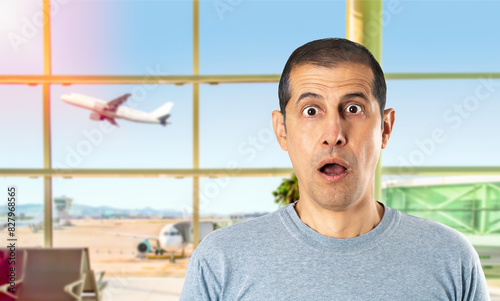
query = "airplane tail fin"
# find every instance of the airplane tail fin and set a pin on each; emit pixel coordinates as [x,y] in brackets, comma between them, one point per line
[163,112]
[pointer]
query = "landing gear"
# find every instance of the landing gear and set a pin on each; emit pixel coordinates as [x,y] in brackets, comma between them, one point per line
[159,251]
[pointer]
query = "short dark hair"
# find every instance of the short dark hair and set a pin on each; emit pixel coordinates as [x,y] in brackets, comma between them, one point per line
[332,52]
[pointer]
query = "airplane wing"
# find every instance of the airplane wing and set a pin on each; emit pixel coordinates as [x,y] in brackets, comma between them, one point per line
[112,105]
[132,235]
[21,223]
[111,120]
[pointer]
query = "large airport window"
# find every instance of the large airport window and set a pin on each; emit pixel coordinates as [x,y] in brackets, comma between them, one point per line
[21,45]
[132,226]
[256,37]
[81,140]
[21,120]
[444,123]
[124,37]
[415,44]
[247,138]
[121,220]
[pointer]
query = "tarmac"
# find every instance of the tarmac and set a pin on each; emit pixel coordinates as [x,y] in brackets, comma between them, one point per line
[144,289]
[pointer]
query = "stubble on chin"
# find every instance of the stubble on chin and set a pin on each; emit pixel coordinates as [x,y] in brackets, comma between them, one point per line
[335,196]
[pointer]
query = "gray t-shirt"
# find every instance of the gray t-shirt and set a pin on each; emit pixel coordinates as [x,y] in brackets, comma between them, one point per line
[278,257]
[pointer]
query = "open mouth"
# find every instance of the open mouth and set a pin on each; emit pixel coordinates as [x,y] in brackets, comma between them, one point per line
[333,169]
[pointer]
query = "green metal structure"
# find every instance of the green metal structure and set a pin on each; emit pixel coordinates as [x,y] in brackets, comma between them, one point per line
[471,207]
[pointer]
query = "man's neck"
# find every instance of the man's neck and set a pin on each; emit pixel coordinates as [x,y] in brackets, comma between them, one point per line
[351,222]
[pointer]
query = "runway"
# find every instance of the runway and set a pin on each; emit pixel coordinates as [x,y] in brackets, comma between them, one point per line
[116,255]
[145,289]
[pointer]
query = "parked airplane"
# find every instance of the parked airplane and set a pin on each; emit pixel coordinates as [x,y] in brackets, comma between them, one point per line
[172,238]
[113,109]
[35,223]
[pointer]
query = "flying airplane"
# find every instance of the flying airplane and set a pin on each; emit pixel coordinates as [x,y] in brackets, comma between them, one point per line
[171,239]
[113,109]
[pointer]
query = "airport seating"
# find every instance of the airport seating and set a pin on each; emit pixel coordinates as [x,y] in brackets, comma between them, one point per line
[94,286]
[5,270]
[52,274]
[56,274]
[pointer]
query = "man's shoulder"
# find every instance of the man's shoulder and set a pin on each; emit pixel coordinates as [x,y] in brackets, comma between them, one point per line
[243,233]
[249,227]
[432,234]
[222,254]
[428,227]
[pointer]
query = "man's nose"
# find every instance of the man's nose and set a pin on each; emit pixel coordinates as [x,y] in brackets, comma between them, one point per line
[333,131]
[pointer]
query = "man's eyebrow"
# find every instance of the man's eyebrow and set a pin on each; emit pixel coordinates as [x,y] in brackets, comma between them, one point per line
[308,94]
[356,95]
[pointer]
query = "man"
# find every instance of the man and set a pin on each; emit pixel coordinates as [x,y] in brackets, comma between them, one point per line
[337,242]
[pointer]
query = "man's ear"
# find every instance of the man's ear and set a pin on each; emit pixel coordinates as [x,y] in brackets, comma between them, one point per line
[389,117]
[279,128]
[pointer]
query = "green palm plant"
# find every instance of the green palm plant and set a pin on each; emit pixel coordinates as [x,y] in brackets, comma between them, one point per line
[287,192]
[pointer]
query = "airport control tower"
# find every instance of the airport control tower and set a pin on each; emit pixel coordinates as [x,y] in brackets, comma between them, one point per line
[63,204]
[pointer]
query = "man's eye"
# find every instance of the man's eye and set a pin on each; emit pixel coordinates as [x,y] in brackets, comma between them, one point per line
[354,109]
[310,111]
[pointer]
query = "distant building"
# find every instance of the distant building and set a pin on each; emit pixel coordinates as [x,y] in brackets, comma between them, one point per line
[63,205]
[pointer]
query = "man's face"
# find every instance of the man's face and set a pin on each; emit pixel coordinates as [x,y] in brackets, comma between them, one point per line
[333,133]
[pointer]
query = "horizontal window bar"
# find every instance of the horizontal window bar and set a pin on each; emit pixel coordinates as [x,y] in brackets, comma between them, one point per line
[172,173]
[441,170]
[202,79]
[136,79]
[236,172]
[406,76]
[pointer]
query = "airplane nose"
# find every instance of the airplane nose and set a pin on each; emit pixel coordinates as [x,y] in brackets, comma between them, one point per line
[66,97]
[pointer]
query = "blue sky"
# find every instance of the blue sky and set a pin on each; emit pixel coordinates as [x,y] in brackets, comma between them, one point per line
[248,37]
